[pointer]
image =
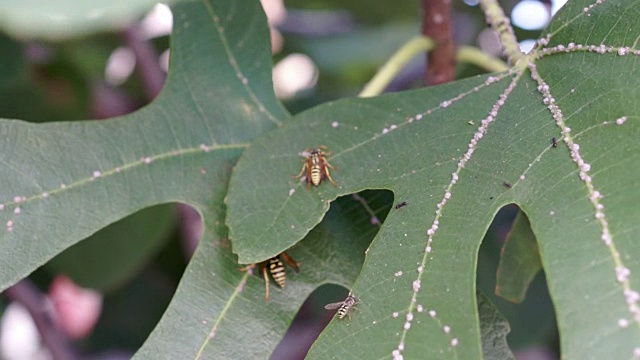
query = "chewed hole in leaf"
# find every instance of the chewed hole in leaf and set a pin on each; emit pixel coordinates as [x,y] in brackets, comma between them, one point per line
[308,323]
[532,317]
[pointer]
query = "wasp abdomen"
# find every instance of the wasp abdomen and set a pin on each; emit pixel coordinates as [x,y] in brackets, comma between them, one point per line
[276,268]
[346,306]
[316,167]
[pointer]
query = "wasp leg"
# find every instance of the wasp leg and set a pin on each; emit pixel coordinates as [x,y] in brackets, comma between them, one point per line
[294,265]
[326,163]
[248,267]
[263,268]
[326,172]
[304,167]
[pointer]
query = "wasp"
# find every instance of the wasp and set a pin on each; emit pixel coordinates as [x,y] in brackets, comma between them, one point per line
[344,307]
[275,267]
[507,185]
[316,167]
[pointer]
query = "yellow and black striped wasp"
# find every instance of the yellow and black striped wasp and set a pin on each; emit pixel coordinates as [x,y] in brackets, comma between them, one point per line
[275,267]
[316,167]
[344,307]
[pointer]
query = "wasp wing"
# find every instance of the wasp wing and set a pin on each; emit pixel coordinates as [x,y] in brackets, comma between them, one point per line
[334,306]
[290,261]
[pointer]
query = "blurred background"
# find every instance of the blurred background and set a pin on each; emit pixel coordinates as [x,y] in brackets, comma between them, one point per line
[54,67]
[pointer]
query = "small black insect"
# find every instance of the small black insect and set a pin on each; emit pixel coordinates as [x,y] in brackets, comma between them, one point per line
[554,142]
[507,185]
[401,205]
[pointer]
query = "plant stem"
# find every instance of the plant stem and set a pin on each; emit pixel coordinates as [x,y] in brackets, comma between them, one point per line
[25,293]
[148,66]
[475,56]
[501,24]
[391,68]
[441,63]
[464,54]
[373,219]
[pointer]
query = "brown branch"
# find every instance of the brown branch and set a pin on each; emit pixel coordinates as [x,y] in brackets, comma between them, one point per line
[147,64]
[441,64]
[29,296]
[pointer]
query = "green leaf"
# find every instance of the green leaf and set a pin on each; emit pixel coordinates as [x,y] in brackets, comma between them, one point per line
[416,288]
[421,146]
[181,148]
[55,20]
[111,255]
[233,319]
[519,261]
[494,329]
